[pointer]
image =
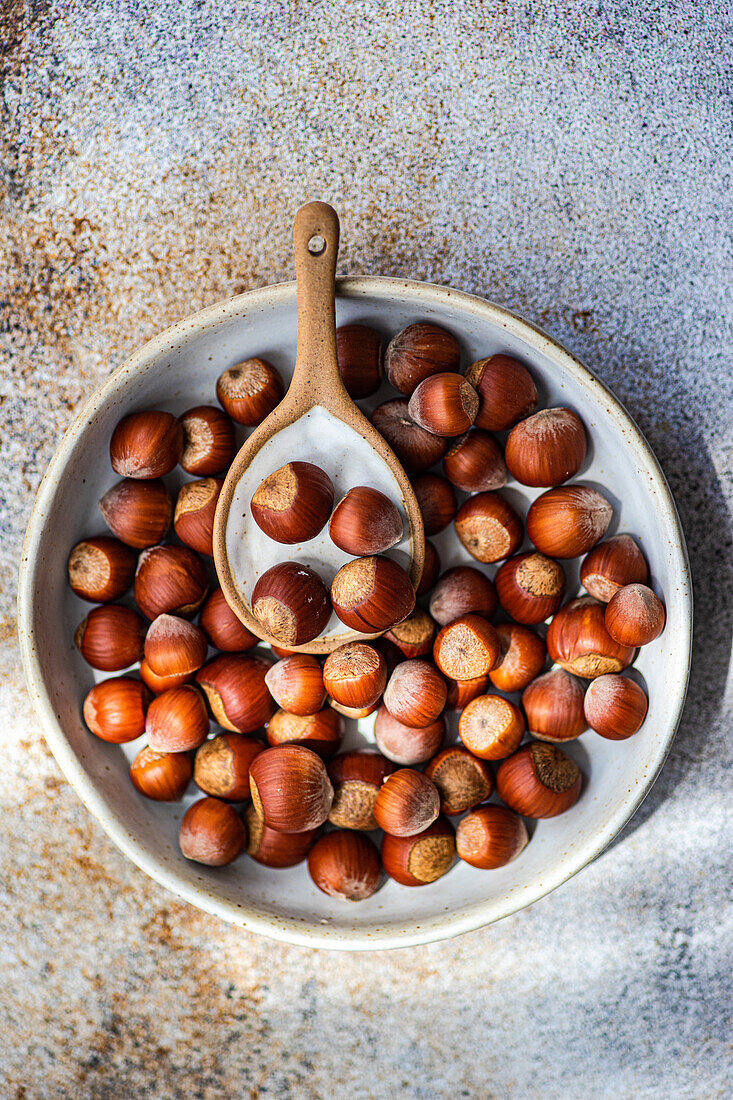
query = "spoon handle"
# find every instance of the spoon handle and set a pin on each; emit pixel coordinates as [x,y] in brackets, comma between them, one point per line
[316,243]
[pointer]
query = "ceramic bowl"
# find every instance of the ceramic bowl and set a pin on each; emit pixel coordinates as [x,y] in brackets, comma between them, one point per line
[178,369]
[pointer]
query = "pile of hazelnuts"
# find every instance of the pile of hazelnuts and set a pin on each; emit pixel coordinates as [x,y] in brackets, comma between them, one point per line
[274,794]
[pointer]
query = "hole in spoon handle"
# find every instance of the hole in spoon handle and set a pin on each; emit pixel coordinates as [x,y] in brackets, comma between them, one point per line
[315,243]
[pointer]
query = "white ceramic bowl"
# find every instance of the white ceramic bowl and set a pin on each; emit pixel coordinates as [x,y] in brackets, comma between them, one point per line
[177,370]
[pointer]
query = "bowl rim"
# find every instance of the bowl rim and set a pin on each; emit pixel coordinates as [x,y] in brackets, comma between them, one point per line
[277,927]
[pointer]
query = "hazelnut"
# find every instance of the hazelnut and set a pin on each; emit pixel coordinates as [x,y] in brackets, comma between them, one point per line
[235,689]
[612,564]
[139,513]
[249,391]
[356,778]
[345,865]
[354,713]
[293,504]
[553,704]
[174,647]
[437,500]
[273,849]
[177,720]
[290,601]
[462,780]
[506,392]
[475,463]
[407,745]
[359,355]
[416,353]
[222,626]
[416,449]
[444,404]
[578,641]
[111,637]
[523,657]
[547,448]
[321,732]
[634,615]
[461,692]
[462,590]
[489,527]
[372,594]
[146,445]
[420,859]
[615,706]
[467,648]
[530,587]
[355,675]
[392,654]
[281,652]
[407,803]
[115,709]
[490,837]
[101,569]
[193,519]
[415,694]
[491,727]
[364,522]
[169,579]
[430,569]
[208,441]
[161,776]
[567,522]
[414,636]
[221,767]
[159,684]
[212,832]
[296,684]
[290,788]
[539,781]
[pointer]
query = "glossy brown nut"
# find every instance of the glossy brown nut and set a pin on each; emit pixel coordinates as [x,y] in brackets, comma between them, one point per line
[491,727]
[161,776]
[356,778]
[290,601]
[612,564]
[418,352]
[463,590]
[553,704]
[159,684]
[416,449]
[365,522]
[467,648]
[530,587]
[523,656]
[414,636]
[249,391]
[407,745]
[488,527]
[170,579]
[461,778]
[506,391]
[273,849]
[222,627]
[296,684]
[345,865]
[212,832]
[475,463]
[634,615]
[115,709]
[444,404]
[193,519]
[221,767]
[461,692]
[293,503]
[290,788]
[321,732]
[578,641]
[539,781]
[372,594]
[430,569]
[111,637]
[437,499]
[415,694]
[353,712]
[568,521]
[421,859]
[101,569]
[359,355]
[615,707]
[139,513]
[174,647]
[209,446]
[490,837]
[146,445]
[177,720]
[235,689]
[355,675]
[407,803]
[547,448]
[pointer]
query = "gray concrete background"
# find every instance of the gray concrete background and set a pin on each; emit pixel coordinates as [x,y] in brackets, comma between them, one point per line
[569,160]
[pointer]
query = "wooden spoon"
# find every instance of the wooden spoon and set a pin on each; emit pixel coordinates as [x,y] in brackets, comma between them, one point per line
[316,391]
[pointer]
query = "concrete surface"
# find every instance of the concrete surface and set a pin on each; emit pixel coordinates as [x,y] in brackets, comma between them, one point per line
[571,161]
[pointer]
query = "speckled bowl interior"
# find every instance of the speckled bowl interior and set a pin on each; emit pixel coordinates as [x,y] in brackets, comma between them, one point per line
[179,369]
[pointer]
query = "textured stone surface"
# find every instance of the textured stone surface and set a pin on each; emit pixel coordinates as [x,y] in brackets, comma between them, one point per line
[571,161]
